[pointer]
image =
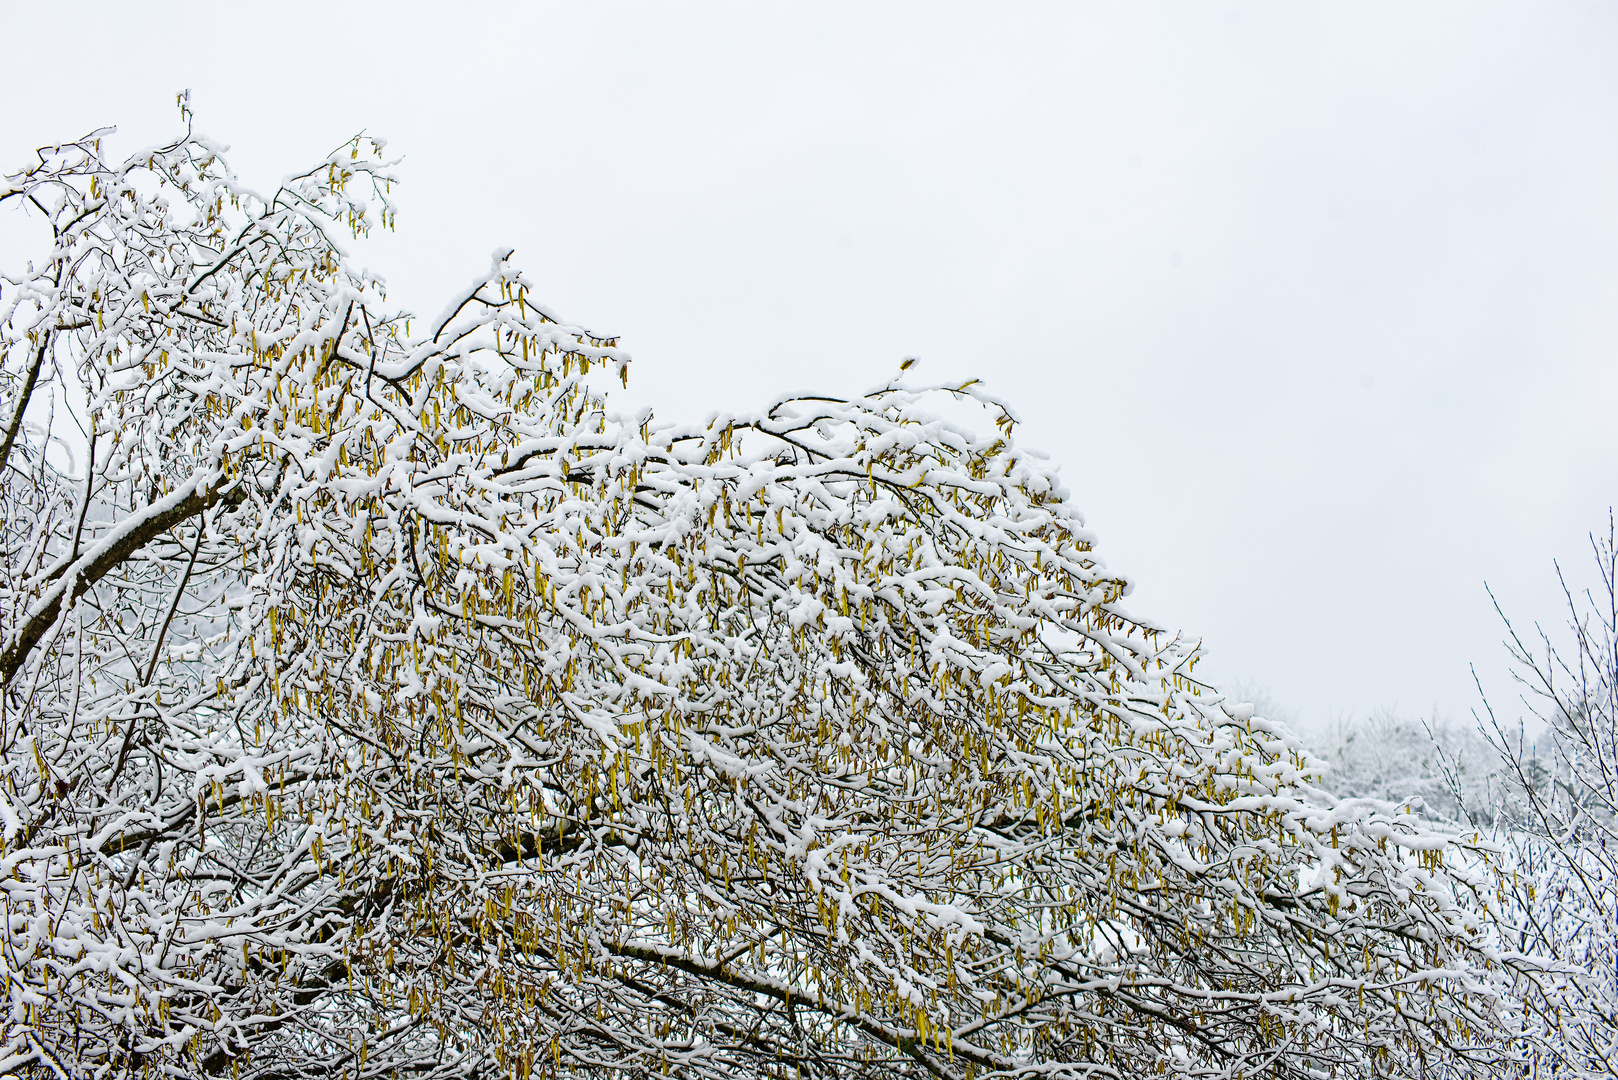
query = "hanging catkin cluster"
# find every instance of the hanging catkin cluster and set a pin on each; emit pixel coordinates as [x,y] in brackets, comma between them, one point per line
[377,702]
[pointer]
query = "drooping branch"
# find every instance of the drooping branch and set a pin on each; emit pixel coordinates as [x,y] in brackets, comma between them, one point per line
[24,395]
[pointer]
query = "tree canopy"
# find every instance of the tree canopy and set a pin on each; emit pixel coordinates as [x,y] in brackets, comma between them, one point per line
[380,702]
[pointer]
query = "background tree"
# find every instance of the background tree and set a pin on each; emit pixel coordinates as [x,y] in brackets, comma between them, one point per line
[377,702]
[1558,811]
[1446,772]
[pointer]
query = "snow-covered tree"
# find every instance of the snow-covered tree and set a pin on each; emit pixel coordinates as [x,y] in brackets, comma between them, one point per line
[378,702]
[1445,771]
[1558,806]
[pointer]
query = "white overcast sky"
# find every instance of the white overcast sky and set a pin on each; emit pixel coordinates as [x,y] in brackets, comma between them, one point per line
[1316,304]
